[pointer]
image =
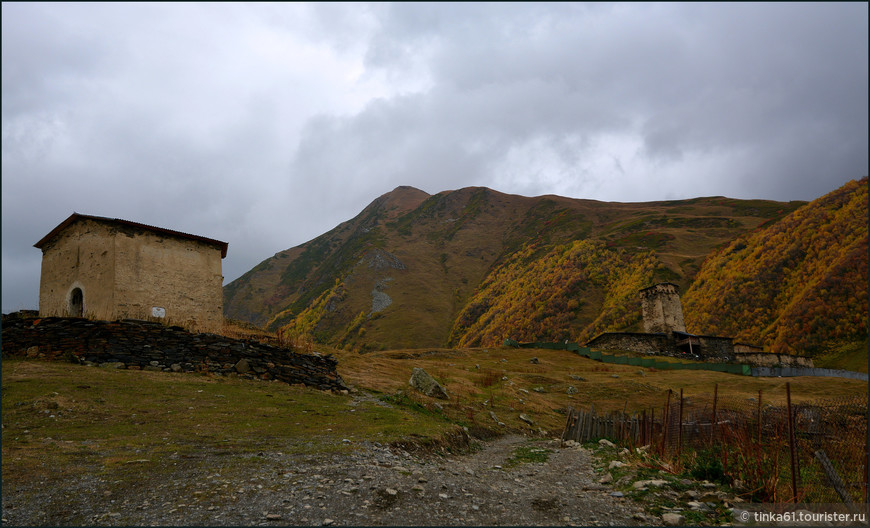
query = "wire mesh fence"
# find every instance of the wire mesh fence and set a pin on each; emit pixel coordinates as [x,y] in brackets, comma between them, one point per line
[809,452]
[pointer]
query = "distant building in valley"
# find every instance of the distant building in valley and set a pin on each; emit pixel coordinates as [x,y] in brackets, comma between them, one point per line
[665,334]
[105,268]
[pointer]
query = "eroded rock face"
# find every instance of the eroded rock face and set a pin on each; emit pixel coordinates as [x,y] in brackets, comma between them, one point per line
[426,384]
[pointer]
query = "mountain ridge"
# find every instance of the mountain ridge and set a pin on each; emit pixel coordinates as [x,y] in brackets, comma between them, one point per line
[471,266]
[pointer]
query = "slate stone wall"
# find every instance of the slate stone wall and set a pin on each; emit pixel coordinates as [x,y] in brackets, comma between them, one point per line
[712,349]
[143,345]
[769,359]
[653,344]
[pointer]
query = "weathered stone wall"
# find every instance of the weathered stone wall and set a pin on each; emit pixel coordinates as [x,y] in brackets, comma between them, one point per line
[653,344]
[765,359]
[81,257]
[181,276]
[125,272]
[152,346]
[717,348]
[745,347]
[712,348]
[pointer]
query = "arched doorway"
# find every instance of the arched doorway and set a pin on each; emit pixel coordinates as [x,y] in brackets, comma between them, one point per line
[76,303]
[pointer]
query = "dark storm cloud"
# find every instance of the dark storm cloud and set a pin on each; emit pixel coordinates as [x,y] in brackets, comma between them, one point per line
[767,85]
[266,125]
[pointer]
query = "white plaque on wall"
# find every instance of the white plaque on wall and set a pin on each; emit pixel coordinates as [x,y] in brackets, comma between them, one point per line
[157,311]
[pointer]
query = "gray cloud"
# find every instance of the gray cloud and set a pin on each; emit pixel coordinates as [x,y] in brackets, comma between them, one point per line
[266,125]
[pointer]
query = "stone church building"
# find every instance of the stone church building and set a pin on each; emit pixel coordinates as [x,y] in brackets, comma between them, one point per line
[110,269]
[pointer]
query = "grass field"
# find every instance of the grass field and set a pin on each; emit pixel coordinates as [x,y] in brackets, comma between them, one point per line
[60,418]
[475,379]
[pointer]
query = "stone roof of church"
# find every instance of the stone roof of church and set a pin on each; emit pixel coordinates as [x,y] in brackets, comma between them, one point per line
[144,227]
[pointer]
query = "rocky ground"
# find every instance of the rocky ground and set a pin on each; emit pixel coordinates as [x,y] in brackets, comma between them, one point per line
[375,485]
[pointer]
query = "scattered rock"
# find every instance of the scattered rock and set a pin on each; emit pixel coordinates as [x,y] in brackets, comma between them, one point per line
[242,366]
[572,389]
[614,375]
[533,361]
[616,464]
[426,384]
[327,522]
[606,479]
[575,377]
[112,365]
[673,519]
[646,483]
[539,389]
[527,419]
[617,494]
[273,516]
[606,443]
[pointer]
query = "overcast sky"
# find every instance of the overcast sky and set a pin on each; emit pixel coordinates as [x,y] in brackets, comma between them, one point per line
[265,125]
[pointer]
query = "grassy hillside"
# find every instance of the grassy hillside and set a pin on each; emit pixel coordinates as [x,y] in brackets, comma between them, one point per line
[474,266]
[60,419]
[797,286]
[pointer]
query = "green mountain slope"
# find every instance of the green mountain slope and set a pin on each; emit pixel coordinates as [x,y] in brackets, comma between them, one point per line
[474,266]
[798,286]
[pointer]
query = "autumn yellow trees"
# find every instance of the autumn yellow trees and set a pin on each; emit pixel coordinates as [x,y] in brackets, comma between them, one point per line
[797,286]
[572,291]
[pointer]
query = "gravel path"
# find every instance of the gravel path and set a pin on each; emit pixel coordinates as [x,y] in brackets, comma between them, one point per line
[375,485]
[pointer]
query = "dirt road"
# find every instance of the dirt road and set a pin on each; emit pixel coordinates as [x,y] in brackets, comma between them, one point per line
[498,484]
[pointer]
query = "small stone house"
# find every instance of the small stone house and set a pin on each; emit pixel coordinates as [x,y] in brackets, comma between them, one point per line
[110,269]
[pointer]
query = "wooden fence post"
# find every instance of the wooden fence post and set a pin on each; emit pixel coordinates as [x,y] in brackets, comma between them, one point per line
[758,456]
[713,425]
[791,446]
[680,425]
[665,418]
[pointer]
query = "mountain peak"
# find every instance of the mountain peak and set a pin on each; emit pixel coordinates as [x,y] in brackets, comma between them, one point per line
[399,201]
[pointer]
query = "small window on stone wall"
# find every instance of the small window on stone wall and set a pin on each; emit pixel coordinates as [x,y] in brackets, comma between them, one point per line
[76,303]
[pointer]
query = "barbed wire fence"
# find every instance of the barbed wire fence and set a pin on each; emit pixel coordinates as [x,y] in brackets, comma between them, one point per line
[808,452]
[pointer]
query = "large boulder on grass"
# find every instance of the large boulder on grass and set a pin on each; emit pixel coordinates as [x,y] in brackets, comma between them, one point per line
[426,384]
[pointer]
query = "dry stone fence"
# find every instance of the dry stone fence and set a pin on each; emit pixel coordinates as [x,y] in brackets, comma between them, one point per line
[144,345]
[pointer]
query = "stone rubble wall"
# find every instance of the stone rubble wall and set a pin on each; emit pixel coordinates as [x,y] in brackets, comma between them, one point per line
[770,359]
[143,345]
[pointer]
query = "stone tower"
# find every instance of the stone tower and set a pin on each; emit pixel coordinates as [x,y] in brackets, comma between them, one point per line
[662,310]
